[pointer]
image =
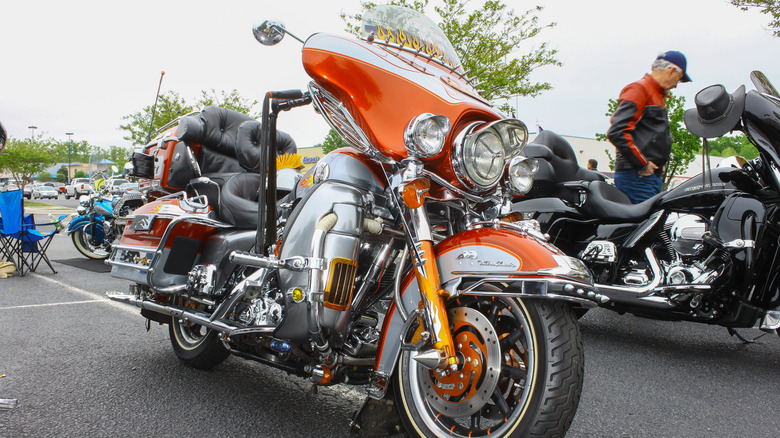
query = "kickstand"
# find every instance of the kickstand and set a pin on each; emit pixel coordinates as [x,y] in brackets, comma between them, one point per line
[733,332]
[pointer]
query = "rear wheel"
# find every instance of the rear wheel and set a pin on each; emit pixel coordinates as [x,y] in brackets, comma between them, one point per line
[520,373]
[196,346]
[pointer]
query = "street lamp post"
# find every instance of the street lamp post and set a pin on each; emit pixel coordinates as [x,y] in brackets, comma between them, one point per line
[70,146]
[33,128]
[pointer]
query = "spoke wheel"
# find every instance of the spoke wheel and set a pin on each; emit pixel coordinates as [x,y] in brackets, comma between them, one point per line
[520,373]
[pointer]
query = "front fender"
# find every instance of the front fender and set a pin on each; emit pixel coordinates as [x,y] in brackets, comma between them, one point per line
[490,261]
[79,223]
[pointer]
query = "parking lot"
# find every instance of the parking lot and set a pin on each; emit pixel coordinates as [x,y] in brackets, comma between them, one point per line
[81,365]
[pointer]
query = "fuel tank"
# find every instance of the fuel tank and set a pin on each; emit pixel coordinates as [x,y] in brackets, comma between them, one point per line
[706,191]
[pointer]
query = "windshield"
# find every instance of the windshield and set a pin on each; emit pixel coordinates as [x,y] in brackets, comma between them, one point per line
[408,29]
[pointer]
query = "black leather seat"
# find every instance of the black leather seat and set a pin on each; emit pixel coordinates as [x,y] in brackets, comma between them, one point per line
[238,200]
[563,159]
[607,202]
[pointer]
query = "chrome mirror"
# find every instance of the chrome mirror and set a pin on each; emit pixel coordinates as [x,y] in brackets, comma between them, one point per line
[269,33]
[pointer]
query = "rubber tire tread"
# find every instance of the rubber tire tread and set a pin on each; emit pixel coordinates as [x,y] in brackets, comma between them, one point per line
[77,238]
[566,361]
[205,356]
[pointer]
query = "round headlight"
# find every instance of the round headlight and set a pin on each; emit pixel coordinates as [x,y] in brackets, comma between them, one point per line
[521,174]
[482,150]
[424,137]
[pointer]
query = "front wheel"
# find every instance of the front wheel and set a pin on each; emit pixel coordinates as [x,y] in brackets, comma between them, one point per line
[196,346]
[82,242]
[520,373]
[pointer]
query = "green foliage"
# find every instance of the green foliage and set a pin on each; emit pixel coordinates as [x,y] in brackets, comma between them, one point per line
[118,155]
[79,151]
[684,143]
[26,158]
[78,173]
[769,7]
[727,146]
[230,100]
[171,106]
[332,142]
[487,41]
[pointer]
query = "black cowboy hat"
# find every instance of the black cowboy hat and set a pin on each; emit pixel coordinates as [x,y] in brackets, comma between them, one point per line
[717,112]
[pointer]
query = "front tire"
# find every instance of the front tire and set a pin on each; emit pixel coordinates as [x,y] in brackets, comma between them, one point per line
[521,373]
[81,241]
[195,345]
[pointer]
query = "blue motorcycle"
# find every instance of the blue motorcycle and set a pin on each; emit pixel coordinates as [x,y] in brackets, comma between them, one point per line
[95,226]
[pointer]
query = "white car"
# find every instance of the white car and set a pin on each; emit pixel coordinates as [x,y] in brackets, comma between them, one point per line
[41,191]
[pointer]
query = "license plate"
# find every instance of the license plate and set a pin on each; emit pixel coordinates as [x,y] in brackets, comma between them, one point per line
[142,222]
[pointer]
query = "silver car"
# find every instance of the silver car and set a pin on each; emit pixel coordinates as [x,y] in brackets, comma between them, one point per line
[41,191]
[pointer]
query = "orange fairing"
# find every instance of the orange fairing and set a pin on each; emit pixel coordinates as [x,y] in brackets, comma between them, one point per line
[385,88]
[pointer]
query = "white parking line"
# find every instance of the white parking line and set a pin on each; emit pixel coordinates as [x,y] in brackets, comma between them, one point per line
[28,306]
[125,307]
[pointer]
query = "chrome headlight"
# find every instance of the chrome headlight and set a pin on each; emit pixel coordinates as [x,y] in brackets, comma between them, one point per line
[424,137]
[521,174]
[482,151]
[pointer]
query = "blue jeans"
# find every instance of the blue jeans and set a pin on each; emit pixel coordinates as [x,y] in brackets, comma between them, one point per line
[638,188]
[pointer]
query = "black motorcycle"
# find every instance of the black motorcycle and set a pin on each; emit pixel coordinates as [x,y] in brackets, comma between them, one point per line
[706,251]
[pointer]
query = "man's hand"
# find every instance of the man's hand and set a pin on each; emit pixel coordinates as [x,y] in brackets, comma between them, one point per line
[648,170]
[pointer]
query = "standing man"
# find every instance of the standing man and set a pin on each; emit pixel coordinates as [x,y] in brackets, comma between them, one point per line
[640,128]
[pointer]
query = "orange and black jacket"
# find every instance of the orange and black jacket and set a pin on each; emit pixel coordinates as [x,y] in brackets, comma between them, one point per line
[640,127]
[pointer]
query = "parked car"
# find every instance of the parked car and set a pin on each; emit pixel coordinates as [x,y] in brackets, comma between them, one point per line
[129,187]
[27,190]
[114,184]
[47,190]
[60,187]
[78,187]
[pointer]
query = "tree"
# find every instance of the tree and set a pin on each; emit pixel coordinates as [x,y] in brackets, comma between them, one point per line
[24,159]
[487,41]
[332,142]
[769,7]
[230,100]
[171,106]
[118,155]
[684,143]
[728,145]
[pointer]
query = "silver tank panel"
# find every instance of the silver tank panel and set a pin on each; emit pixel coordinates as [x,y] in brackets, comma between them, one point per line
[348,203]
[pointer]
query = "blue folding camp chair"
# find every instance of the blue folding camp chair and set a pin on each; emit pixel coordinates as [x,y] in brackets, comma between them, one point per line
[20,240]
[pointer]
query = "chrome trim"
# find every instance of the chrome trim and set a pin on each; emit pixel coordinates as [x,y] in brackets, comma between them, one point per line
[469,196]
[771,320]
[340,119]
[643,229]
[196,219]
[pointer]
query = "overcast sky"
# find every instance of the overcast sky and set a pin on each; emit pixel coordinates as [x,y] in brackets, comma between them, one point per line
[79,66]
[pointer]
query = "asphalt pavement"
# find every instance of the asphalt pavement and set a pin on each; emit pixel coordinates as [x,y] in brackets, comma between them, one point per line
[80,365]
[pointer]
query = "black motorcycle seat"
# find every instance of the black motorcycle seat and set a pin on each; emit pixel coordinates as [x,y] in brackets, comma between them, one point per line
[238,200]
[231,140]
[562,158]
[606,202]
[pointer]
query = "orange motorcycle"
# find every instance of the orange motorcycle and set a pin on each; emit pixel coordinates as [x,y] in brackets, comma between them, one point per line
[388,265]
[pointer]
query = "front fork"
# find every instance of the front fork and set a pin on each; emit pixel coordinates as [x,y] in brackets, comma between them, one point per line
[432,305]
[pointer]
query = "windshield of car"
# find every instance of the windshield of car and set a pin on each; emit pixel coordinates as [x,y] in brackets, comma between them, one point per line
[410,30]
